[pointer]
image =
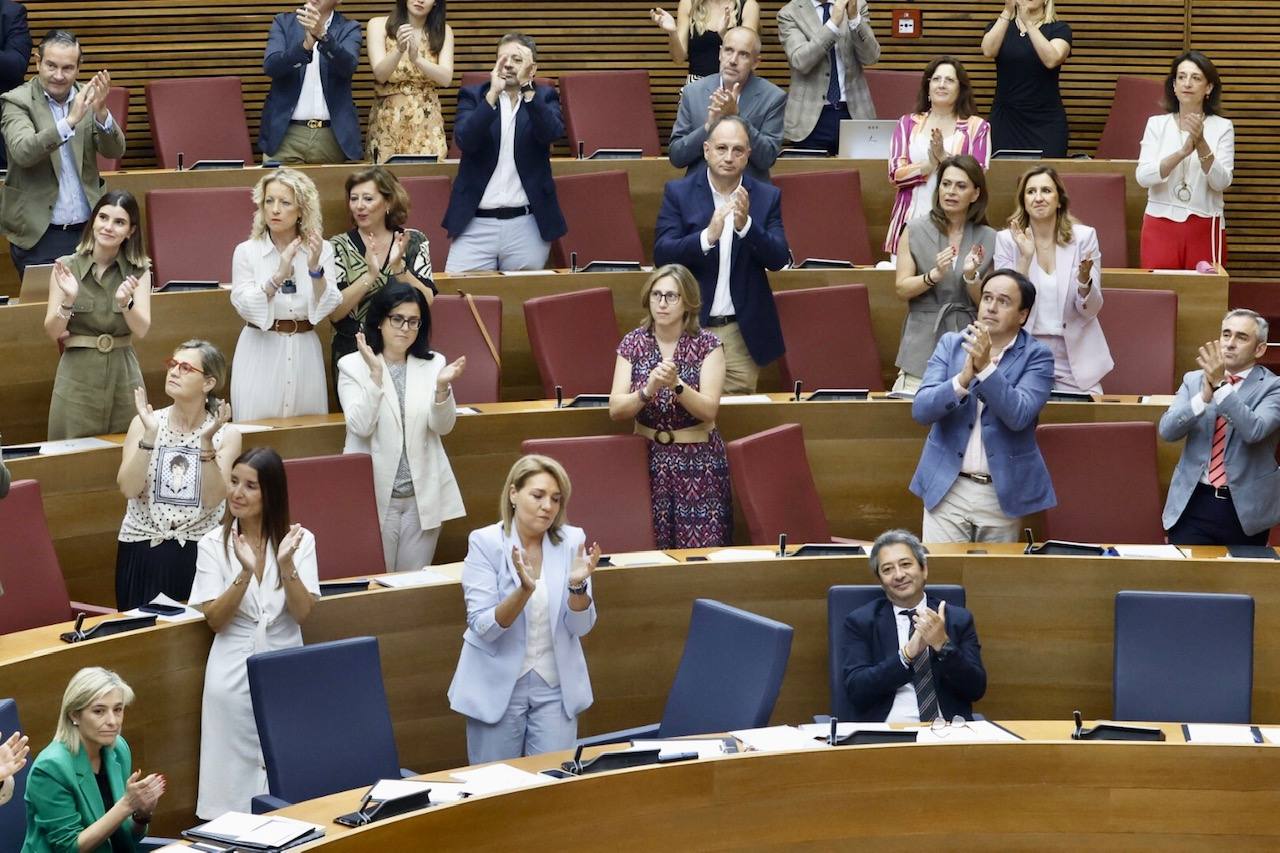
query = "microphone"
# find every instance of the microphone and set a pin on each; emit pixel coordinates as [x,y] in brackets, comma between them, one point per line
[180,156]
[573,262]
[782,544]
[581,149]
[559,396]
[798,387]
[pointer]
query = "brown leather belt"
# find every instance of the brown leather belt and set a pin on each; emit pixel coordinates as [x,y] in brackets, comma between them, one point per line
[289,327]
[689,435]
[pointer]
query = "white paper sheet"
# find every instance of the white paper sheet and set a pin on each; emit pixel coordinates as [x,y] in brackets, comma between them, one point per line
[733,399]
[527,272]
[1151,552]
[1219,733]
[248,428]
[736,555]
[466,410]
[666,748]
[499,777]
[1271,734]
[446,792]
[975,731]
[776,739]
[188,614]
[643,558]
[257,829]
[394,789]
[823,730]
[402,580]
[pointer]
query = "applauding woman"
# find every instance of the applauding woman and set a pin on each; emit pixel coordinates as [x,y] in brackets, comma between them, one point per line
[522,678]
[944,124]
[694,33]
[942,258]
[256,582]
[83,793]
[283,282]
[1060,256]
[13,757]
[99,301]
[1186,163]
[668,377]
[1029,45]
[397,399]
[411,52]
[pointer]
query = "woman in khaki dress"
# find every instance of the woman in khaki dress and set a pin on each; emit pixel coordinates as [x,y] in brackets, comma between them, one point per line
[411,51]
[100,299]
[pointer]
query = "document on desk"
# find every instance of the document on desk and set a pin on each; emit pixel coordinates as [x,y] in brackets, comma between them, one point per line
[669,748]
[738,555]
[822,731]
[247,428]
[643,558]
[1151,552]
[974,731]
[188,614]
[394,789]
[1218,733]
[776,739]
[499,777]
[1271,734]
[402,580]
[256,830]
[745,398]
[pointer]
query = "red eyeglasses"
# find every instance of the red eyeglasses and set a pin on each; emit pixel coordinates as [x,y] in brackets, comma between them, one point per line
[183,367]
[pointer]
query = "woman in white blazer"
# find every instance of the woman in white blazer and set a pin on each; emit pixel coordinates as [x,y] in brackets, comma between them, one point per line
[1060,255]
[397,400]
[522,678]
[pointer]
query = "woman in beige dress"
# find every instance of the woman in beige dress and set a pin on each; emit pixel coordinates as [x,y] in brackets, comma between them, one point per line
[411,51]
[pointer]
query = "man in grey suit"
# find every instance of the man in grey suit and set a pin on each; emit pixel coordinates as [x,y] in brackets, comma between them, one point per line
[1226,488]
[827,44]
[734,91]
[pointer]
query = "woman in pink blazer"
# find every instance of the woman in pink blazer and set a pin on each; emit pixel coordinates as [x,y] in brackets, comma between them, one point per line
[1061,257]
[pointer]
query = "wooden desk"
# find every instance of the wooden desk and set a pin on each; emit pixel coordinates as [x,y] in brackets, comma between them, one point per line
[31,359]
[1046,626]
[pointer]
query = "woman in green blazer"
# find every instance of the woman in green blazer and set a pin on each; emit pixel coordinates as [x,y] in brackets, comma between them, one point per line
[88,765]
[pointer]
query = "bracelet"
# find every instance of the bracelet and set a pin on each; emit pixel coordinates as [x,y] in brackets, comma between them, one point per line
[316,273]
[65,312]
[1003,17]
[141,817]
[1204,157]
[969,281]
[580,589]
[928,282]
[142,445]
[208,456]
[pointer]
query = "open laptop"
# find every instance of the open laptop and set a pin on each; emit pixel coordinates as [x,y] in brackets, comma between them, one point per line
[35,284]
[865,139]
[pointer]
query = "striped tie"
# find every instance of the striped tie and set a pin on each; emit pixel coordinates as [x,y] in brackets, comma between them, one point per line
[922,678]
[1218,453]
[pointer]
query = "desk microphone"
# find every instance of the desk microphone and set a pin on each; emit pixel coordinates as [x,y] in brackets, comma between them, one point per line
[582,149]
[831,738]
[573,260]
[798,386]
[782,544]
[180,157]
[77,630]
[559,396]
[1079,723]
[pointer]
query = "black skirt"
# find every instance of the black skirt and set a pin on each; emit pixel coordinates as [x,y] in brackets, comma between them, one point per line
[143,572]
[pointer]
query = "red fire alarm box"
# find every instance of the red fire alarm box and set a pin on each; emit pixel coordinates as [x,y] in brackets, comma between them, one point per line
[906,23]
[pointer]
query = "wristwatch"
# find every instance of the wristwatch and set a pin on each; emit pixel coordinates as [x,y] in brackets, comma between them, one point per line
[527,87]
[679,389]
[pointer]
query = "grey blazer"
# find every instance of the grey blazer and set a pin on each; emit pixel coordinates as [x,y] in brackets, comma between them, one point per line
[1253,428]
[806,40]
[761,105]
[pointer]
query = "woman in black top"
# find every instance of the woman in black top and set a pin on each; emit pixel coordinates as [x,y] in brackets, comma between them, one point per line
[1029,45]
[694,32]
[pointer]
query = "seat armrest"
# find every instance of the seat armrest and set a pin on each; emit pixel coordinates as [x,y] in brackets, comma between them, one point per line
[620,735]
[264,803]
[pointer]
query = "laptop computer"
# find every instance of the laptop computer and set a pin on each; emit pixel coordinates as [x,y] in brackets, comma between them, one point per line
[35,284]
[865,139]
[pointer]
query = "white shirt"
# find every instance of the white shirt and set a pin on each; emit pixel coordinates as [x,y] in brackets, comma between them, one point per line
[975,455]
[311,102]
[905,707]
[504,188]
[1163,137]
[1049,297]
[1198,405]
[853,25]
[722,302]
[538,655]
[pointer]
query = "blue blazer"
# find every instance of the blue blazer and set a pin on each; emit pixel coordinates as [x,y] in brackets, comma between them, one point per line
[15,50]
[489,665]
[873,672]
[687,207]
[286,64]
[1013,396]
[477,130]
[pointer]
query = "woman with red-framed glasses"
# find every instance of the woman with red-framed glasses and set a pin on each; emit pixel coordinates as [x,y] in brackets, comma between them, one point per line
[174,471]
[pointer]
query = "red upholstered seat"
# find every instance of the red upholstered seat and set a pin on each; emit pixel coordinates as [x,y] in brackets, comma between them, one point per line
[1106,480]
[609,109]
[774,486]
[829,339]
[475,78]
[574,337]
[454,332]
[1136,100]
[118,106]
[1140,326]
[192,233]
[428,198]
[332,496]
[1098,201]
[35,593]
[602,226]
[610,499]
[823,216]
[200,117]
[893,92]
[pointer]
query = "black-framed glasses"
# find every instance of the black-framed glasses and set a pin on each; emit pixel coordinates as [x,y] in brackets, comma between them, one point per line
[184,368]
[664,298]
[400,321]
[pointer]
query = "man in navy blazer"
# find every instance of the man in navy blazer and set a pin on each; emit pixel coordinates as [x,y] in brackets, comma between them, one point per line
[727,229]
[909,657]
[983,389]
[310,115]
[503,212]
[15,51]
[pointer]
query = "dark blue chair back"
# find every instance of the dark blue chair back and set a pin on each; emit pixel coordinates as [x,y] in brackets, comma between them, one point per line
[730,673]
[1183,657]
[13,817]
[298,694]
[843,600]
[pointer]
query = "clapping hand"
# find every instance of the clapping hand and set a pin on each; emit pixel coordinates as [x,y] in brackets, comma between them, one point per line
[931,626]
[285,270]
[741,201]
[315,247]
[1024,239]
[726,21]
[972,261]
[221,417]
[309,18]
[524,571]
[839,13]
[146,415]
[715,228]
[289,545]
[1084,275]
[584,564]
[245,553]
[398,244]
[371,359]
[66,282]
[13,754]
[497,81]
[663,19]
[937,153]
[449,373]
[1193,124]
[124,293]
[727,99]
[1211,362]
[404,36]
[943,262]
[664,375]
[977,343]
[142,793]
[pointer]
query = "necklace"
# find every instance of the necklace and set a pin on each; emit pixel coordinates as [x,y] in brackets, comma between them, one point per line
[1183,190]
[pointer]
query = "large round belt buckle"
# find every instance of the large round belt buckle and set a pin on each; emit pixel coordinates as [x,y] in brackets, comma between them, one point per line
[105,343]
[664,437]
[292,331]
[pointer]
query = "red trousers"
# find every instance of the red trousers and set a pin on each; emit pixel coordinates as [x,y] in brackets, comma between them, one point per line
[1169,245]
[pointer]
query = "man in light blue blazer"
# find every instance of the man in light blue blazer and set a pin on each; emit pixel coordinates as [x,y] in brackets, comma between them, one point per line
[1226,488]
[982,393]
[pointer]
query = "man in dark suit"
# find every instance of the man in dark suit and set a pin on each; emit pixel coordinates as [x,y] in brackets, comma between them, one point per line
[727,229]
[909,657]
[15,51]
[1226,488]
[310,115]
[503,212]
[983,389]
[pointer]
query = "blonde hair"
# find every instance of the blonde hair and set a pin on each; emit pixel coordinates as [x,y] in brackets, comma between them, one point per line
[305,196]
[690,295]
[1021,218]
[1049,14]
[699,13]
[526,467]
[86,686]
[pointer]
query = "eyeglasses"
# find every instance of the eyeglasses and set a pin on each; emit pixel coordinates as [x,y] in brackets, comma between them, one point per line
[183,367]
[400,321]
[664,298]
[938,79]
[942,728]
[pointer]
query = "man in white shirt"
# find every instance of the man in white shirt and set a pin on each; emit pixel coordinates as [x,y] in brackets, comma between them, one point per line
[503,212]
[310,115]
[909,657]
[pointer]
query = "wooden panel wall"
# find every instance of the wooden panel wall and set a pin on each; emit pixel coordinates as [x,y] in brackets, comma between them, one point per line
[146,39]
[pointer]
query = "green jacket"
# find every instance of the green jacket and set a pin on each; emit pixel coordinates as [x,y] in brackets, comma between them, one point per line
[63,798]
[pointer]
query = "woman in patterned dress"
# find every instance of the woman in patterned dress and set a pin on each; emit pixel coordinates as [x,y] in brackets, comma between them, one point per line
[668,377]
[411,51]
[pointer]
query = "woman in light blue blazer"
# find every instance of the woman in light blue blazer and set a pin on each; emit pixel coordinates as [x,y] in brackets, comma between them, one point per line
[522,679]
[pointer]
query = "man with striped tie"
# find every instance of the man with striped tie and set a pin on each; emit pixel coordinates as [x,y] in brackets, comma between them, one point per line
[1226,488]
[909,657]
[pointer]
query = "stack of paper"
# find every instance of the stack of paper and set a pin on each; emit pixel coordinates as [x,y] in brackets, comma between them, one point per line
[256,830]
[642,558]
[394,789]
[737,555]
[402,580]
[498,777]
[776,739]
[672,748]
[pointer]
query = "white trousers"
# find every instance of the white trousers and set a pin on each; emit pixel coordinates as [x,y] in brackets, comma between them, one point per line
[498,244]
[406,547]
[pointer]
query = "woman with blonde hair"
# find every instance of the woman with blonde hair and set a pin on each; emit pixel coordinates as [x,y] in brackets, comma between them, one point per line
[283,283]
[694,33]
[1029,45]
[668,376]
[522,679]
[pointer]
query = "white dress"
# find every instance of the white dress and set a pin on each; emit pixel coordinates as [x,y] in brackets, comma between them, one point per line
[232,772]
[277,375]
